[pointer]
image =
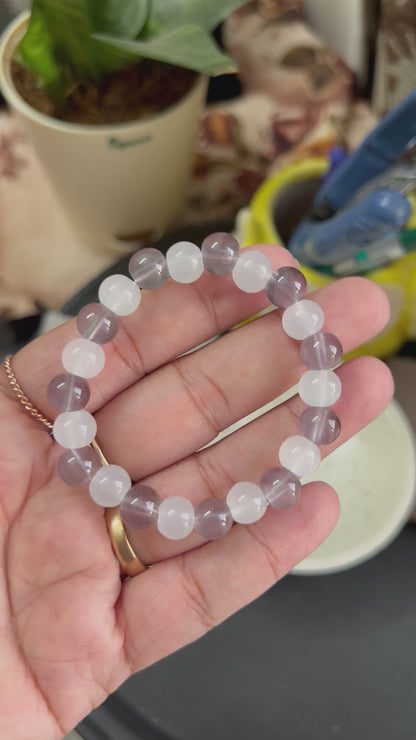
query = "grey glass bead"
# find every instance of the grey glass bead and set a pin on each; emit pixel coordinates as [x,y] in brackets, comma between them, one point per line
[68,392]
[148,268]
[212,518]
[286,285]
[139,507]
[321,425]
[76,467]
[220,252]
[97,323]
[321,351]
[281,487]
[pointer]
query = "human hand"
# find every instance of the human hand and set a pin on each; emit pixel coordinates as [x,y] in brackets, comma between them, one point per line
[70,631]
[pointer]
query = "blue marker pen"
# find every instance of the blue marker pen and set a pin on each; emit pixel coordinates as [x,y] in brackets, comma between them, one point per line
[342,236]
[380,149]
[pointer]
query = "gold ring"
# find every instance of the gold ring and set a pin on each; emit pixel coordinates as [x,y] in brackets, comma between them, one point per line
[130,565]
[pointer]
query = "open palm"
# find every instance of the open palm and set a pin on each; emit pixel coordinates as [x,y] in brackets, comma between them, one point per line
[70,631]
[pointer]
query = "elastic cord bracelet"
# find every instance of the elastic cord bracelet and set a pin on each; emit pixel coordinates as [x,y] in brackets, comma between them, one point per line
[83,358]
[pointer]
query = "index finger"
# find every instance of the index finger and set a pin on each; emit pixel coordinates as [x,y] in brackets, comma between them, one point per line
[169,321]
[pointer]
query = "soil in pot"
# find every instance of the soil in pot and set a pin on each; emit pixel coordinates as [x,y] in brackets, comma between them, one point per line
[128,95]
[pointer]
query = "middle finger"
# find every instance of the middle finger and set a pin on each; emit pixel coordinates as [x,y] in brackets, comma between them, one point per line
[182,406]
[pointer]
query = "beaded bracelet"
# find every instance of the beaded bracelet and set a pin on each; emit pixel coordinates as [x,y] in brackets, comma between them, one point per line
[83,358]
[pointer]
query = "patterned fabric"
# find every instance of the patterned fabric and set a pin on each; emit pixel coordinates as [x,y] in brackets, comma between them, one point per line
[293,86]
[395,69]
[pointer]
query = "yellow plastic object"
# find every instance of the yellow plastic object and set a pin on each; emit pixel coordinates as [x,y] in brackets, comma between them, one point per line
[398,279]
[411,224]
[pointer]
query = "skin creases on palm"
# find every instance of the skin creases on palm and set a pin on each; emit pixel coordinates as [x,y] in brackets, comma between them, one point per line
[70,631]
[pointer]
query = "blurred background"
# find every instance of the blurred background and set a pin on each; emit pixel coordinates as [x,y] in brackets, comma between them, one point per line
[330,655]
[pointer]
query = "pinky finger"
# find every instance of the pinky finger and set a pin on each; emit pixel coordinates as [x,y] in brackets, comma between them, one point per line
[195,591]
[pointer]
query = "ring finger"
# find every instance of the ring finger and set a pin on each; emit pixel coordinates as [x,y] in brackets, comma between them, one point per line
[182,406]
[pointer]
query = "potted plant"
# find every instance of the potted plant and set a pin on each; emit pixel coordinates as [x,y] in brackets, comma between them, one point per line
[110,92]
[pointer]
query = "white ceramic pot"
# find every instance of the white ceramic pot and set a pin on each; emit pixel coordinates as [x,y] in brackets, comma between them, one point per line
[114,181]
[374,476]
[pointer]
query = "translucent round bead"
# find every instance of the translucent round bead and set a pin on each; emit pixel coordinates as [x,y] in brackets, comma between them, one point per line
[109,485]
[68,392]
[139,507]
[74,429]
[83,357]
[321,351]
[319,387]
[220,252]
[281,487]
[302,318]
[185,263]
[321,425]
[120,294]
[175,518]
[148,268]
[212,518]
[252,271]
[246,502]
[97,323]
[76,467]
[299,455]
[286,285]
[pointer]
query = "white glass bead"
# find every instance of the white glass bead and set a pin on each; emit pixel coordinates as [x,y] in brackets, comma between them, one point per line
[120,294]
[109,485]
[83,357]
[302,318]
[299,455]
[252,271]
[246,502]
[175,517]
[319,387]
[74,429]
[185,262]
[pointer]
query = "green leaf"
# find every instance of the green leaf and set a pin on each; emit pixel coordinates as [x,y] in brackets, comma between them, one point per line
[169,14]
[68,41]
[125,19]
[68,27]
[35,51]
[59,50]
[190,47]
